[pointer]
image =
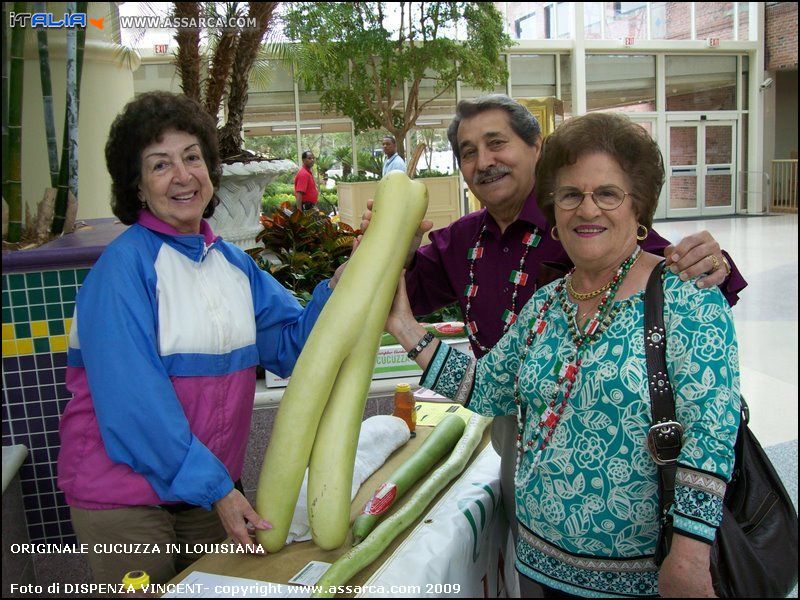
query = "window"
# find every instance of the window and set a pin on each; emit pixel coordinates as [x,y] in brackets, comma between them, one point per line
[622,8]
[525,27]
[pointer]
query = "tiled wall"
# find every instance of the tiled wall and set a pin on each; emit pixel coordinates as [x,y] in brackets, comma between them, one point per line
[37,311]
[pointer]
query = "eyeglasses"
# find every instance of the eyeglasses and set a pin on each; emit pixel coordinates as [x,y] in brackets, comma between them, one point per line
[606,197]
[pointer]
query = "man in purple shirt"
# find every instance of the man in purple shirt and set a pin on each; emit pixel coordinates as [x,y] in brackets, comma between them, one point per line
[492,261]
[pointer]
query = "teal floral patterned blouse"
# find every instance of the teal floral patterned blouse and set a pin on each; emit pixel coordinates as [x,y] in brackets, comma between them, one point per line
[587,512]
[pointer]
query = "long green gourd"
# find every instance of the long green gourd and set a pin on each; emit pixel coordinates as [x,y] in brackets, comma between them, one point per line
[330,470]
[398,209]
[359,557]
[441,441]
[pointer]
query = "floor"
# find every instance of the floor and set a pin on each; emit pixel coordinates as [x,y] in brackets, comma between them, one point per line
[765,250]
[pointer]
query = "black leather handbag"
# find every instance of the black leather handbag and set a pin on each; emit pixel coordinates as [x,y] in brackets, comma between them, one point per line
[755,551]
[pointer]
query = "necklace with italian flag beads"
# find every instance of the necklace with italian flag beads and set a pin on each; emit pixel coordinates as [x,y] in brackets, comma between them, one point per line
[550,412]
[518,277]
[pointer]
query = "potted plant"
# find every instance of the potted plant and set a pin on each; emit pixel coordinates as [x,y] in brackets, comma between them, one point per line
[230,54]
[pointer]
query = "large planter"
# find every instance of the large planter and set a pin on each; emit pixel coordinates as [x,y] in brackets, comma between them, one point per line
[444,206]
[241,190]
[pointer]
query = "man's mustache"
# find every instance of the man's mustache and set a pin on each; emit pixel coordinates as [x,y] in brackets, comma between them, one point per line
[482,176]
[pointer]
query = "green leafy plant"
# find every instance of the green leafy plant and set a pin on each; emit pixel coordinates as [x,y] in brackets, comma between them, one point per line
[232,54]
[372,61]
[344,156]
[302,248]
[432,173]
[355,178]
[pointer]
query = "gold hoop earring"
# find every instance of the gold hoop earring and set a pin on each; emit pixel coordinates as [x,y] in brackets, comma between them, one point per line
[554,234]
[644,235]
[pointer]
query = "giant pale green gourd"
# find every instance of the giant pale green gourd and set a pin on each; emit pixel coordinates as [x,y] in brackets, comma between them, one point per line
[398,209]
[330,470]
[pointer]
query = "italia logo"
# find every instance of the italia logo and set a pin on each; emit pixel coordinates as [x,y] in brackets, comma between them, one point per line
[531,239]
[518,278]
[474,253]
[471,291]
[538,326]
[473,327]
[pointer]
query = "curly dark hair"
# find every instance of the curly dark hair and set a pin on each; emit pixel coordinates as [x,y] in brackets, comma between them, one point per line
[613,134]
[144,121]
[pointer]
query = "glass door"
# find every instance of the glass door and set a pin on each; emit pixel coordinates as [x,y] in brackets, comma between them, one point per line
[701,168]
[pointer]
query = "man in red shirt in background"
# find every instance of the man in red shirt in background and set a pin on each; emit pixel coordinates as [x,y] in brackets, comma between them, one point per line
[305,188]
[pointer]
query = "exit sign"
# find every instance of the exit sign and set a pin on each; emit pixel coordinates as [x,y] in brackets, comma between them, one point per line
[713,42]
[629,41]
[160,48]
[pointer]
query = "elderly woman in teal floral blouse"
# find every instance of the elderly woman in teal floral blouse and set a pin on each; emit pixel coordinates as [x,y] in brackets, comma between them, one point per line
[572,369]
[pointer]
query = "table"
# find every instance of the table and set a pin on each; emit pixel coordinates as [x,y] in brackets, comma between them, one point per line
[455,549]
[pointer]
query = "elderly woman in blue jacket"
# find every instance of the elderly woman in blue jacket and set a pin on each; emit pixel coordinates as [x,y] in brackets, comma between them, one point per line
[168,329]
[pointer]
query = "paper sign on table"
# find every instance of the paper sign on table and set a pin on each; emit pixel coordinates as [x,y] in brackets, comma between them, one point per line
[431,413]
[310,574]
[208,585]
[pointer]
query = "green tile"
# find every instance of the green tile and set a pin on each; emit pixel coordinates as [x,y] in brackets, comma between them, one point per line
[52,295]
[21,314]
[54,311]
[38,313]
[22,330]
[7,314]
[81,274]
[16,281]
[50,278]
[35,296]
[34,280]
[6,298]
[41,345]
[68,294]
[67,277]
[19,298]
[68,308]
[56,327]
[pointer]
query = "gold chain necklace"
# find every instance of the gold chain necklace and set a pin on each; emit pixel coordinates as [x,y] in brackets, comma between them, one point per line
[593,294]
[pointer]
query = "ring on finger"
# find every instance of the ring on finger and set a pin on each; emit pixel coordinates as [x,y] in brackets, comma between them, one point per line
[715,264]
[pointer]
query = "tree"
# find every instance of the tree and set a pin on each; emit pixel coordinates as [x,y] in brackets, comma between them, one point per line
[359,54]
[233,53]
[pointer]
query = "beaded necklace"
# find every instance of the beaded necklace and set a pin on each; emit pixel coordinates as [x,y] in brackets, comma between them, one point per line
[518,277]
[550,414]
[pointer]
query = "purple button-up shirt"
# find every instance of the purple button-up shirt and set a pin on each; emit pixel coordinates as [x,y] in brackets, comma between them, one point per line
[439,274]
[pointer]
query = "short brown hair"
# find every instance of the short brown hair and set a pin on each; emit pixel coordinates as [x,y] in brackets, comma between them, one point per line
[142,122]
[613,134]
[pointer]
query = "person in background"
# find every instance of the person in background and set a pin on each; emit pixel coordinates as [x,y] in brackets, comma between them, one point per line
[572,373]
[393,161]
[168,329]
[305,188]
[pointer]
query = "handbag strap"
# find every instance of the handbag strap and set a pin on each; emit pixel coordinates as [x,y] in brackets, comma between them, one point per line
[665,435]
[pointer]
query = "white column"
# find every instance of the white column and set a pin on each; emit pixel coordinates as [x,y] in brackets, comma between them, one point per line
[757,192]
[579,62]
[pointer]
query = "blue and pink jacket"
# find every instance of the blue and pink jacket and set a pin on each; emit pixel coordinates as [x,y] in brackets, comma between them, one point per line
[167,332]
